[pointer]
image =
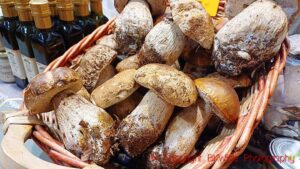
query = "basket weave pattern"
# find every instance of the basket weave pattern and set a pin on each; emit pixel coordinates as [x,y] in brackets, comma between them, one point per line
[231,142]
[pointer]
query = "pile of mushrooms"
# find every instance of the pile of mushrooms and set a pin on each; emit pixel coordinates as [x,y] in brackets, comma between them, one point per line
[150,90]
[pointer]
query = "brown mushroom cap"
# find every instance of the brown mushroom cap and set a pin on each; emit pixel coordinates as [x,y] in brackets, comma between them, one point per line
[158,7]
[234,81]
[221,98]
[43,87]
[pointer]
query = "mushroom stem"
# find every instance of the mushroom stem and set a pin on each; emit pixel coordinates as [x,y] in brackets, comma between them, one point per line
[132,26]
[187,127]
[86,129]
[144,125]
[164,44]
[56,100]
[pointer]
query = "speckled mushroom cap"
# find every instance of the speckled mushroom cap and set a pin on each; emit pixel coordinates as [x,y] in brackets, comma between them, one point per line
[221,98]
[44,86]
[158,7]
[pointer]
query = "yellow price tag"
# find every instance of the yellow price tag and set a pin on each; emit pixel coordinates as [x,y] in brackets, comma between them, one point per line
[211,6]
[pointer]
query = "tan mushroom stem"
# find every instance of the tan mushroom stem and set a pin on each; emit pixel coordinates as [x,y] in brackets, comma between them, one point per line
[163,44]
[187,127]
[132,26]
[144,125]
[86,129]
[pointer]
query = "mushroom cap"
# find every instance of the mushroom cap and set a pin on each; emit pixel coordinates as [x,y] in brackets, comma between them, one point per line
[194,21]
[43,87]
[234,81]
[221,98]
[158,7]
[174,86]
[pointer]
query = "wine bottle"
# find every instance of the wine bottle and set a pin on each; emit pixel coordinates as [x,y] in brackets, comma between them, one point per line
[8,30]
[47,45]
[71,32]
[97,12]
[54,13]
[23,34]
[82,13]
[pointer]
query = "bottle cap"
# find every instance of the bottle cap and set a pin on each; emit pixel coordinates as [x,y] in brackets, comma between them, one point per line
[65,10]
[53,7]
[8,8]
[81,7]
[23,9]
[96,6]
[40,11]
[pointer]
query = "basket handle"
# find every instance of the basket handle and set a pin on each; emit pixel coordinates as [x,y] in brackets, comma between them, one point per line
[14,154]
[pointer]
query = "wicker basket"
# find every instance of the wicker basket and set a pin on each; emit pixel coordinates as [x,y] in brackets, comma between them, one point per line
[230,143]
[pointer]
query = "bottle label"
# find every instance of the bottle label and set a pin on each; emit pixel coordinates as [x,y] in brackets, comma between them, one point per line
[30,67]
[41,67]
[1,45]
[16,63]
[6,74]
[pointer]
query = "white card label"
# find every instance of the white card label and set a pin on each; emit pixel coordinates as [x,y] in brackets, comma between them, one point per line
[41,67]
[16,63]
[30,67]
[6,74]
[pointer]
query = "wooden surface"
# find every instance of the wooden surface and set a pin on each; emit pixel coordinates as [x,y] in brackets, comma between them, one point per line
[14,155]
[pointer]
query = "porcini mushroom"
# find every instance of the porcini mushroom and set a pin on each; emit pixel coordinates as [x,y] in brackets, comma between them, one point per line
[132,25]
[108,40]
[86,129]
[115,90]
[163,44]
[181,136]
[252,37]
[194,21]
[157,7]
[40,91]
[234,81]
[125,107]
[107,73]
[221,98]
[130,62]
[186,127]
[93,62]
[169,83]
[144,125]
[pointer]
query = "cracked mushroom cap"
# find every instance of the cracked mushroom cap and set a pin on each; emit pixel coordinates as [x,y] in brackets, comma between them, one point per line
[43,87]
[221,98]
[158,7]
